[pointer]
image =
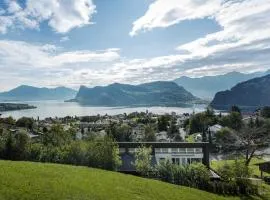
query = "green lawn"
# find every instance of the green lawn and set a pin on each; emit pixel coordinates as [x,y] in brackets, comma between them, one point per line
[255,169]
[27,181]
[255,172]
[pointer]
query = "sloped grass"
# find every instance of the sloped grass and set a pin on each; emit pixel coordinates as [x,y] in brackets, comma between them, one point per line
[29,181]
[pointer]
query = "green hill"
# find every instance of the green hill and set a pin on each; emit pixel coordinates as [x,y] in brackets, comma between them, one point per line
[150,94]
[26,180]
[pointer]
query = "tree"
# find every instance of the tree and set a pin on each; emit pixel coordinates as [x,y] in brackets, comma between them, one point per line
[123,133]
[235,108]
[233,120]
[9,147]
[266,112]
[149,134]
[249,139]
[103,153]
[163,123]
[173,130]
[143,160]
[21,146]
[25,122]
[252,138]
[225,137]
[200,121]
[56,136]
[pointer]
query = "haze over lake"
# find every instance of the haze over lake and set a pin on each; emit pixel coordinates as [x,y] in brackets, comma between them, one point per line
[61,109]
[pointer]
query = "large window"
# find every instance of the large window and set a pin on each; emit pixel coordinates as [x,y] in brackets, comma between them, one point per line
[176,161]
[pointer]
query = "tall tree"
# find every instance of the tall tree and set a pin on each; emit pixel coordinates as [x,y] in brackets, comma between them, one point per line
[143,160]
[149,133]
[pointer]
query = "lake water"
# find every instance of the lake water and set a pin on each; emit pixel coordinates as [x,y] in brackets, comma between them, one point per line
[61,109]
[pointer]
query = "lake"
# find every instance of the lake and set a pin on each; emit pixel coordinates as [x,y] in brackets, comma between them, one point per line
[61,109]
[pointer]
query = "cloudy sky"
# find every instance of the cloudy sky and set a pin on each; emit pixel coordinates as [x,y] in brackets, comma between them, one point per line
[98,42]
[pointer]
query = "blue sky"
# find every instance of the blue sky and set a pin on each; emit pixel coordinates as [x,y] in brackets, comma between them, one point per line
[83,42]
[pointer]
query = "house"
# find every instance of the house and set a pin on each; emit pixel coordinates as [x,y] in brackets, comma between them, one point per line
[180,153]
[264,167]
[214,129]
[181,120]
[198,137]
[137,132]
[162,137]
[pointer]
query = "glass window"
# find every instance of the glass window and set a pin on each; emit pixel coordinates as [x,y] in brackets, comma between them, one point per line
[174,150]
[198,150]
[183,161]
[176,161]
[182,150]
[165,150]
[190,150]
[158,150]
[131,150]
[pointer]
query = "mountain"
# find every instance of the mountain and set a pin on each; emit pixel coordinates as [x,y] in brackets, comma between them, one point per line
[252,93]
[24,93]
[206,87]
[154,93]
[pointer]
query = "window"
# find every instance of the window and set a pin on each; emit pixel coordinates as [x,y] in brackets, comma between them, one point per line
[182,150]
[190,150]
[176,161]
[183,161]
[165,150]
[174,150]
[131,150]
[158,150]
[198,150]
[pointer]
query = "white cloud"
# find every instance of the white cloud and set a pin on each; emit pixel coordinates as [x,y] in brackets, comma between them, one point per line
[13,7]
[20,54]
[62,16]
[64,39]
[242,44]
[164,13]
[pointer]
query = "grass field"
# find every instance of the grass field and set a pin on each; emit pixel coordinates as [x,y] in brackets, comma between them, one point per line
[29,181]
[255,169]
[255,172]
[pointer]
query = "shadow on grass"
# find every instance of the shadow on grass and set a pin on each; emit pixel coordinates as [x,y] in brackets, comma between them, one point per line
[259,197]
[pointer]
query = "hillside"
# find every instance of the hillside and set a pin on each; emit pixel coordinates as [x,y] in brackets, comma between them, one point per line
[206,87]
[25,92]
[154,93]
[26,180]
[252,93]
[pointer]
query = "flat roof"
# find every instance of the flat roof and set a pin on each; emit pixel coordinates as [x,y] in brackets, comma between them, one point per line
[163,144]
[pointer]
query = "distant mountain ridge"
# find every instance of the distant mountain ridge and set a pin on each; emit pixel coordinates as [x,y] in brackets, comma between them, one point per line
[206,87]
[154,93]
[25,92]
[251,93]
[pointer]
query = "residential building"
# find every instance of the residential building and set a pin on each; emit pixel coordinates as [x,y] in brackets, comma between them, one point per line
[180,153]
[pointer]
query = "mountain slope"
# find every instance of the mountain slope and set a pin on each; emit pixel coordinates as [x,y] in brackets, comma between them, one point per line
[25,92]
[206,87]
[154,93]
[26,180]
[251,93]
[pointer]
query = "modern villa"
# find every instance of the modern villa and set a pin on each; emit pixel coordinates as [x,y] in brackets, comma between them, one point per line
[181,153]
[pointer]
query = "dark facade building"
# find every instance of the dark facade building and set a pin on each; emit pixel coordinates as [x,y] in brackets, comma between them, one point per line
[180,153]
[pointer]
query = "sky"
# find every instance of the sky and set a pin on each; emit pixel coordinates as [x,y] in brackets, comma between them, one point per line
[50,43]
